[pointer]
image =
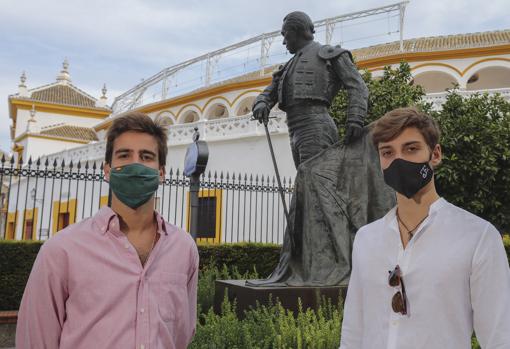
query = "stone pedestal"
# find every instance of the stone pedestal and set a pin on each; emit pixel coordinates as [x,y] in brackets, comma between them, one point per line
[247,296]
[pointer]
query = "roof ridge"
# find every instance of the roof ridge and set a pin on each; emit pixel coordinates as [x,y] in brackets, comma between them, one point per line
[49,127]
[436,37]
[79,90]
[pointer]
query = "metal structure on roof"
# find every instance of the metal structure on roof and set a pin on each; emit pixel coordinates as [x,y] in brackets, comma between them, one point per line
[202,71]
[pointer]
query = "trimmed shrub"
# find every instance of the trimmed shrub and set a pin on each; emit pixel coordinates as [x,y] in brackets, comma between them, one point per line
[270,327]
[16,260]
[247,260]
[246,257]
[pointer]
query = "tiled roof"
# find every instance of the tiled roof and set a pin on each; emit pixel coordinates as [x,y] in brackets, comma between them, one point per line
[68,131]
[63,94]
[435,43]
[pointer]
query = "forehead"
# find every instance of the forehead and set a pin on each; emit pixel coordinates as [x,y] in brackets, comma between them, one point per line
[410,134]
[135,141]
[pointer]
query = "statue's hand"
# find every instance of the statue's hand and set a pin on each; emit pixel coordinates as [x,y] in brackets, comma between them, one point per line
[353,132]
[261,112]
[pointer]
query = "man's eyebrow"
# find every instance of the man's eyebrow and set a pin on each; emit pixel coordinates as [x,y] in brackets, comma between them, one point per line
[385,147]
[122,150]
[145,151]
[411,143]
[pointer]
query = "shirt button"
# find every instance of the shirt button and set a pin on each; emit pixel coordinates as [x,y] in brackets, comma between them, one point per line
[126,245]
[142,346]
[142,310]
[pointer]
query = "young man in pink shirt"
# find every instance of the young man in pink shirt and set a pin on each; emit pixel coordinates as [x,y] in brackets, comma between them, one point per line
[123,278]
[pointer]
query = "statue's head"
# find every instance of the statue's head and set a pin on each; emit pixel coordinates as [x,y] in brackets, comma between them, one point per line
[297,30]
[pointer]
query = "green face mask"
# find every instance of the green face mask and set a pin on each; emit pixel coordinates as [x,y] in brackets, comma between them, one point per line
[134,184]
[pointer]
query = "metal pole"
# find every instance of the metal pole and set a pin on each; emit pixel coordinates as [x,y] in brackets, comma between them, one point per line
[280,188]
[193,194]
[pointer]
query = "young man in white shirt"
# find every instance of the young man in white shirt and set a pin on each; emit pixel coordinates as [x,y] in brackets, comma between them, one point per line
[428,273]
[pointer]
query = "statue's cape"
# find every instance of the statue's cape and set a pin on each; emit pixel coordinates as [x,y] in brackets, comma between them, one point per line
[336,192]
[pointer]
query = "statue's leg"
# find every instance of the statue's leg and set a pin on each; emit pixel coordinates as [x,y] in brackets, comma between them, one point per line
[294,149]
[314,136]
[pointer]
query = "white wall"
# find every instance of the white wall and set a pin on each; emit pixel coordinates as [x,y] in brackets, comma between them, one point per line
[47,119]
[38,147]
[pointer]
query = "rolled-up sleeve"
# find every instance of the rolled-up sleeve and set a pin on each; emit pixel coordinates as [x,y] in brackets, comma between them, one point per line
[490,291]
[42,310]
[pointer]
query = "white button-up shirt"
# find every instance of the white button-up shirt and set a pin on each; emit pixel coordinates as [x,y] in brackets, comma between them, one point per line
[456,276]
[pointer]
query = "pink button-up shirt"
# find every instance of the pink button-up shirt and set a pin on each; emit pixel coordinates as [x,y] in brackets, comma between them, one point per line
[88,289]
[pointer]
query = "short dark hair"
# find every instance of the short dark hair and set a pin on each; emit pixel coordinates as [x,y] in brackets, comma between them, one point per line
[393,123]
[300,22]
[138,122]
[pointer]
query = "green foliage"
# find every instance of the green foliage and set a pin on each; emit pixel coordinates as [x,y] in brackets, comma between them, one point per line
[245,256]
[247,260]
[270,326]
[393,90]
[16,260]
[474,343]
[475,173]
[207,276]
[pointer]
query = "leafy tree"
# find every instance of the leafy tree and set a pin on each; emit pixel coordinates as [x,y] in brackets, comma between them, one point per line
[393,90]
[475,173]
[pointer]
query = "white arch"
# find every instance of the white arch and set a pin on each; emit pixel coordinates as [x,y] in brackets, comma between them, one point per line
[217,109]
[166,117]
[435,80]
[189,116]
[184,113]
[488,77]
[244,104]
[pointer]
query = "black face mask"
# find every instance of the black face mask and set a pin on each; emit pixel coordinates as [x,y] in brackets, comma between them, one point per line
[406,177]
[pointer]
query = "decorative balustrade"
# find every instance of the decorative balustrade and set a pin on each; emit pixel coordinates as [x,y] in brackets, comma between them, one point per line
[230,128]
[210,130]
[437,99]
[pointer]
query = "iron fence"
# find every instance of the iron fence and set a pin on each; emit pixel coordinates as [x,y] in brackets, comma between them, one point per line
[39,198]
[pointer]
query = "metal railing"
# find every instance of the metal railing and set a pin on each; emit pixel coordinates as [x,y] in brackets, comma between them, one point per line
[37,199]
[251,55]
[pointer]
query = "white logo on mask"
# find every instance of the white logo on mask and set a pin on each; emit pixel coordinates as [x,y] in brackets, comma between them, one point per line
[424,171]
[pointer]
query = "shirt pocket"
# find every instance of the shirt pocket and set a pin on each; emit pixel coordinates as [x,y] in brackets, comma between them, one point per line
[172,295]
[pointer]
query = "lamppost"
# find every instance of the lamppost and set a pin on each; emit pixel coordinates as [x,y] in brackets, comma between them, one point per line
[195,163]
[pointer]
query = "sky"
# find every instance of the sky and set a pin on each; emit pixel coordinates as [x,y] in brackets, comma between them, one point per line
[122,42]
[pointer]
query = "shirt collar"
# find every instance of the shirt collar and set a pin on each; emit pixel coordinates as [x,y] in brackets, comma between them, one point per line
[105,218]
[391,217]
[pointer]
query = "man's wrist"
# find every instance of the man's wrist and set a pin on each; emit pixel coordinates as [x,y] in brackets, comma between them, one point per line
[258,103]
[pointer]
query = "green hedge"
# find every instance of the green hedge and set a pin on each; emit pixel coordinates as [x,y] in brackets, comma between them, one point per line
[17,258]
[245,257]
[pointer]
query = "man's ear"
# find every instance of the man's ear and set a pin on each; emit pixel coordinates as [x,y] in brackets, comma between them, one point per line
[437,156]
[162,174]
[107,168]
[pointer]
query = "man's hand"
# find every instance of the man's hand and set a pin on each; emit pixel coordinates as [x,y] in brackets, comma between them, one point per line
[353,132]
[261,112]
